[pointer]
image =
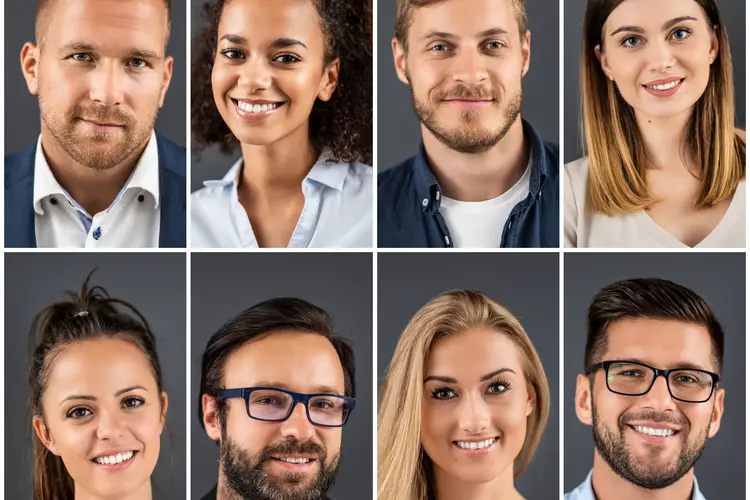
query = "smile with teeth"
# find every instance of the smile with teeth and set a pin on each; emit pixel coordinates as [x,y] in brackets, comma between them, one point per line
[654,432]
[475,445]
[257,108]
[115,459]
[665,86]
[291,460]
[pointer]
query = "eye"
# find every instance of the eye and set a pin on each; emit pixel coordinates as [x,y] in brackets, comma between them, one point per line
[138,63]
[443,393]
[81,57]
[630,373]
[497,388]
[495,45]
[132,402]
[323,404]
[630,42]
[287,59]
[79,413]
[267,401]
[681,34]
[440,47]
[232,54]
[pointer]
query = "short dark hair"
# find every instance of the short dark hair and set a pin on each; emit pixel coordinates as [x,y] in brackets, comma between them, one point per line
[282,313]
[650,298]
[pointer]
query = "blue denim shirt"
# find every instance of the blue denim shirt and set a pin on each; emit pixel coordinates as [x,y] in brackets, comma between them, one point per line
[585,491]
[409,204]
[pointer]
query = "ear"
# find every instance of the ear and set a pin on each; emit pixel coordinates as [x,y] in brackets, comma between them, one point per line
[164,406]
[602,57]
[330,80]
[211,417]
[168,67]
[399,60]
[531,400]
[526,51]
[43,434]
[583,400]
[716,414]
[714,52]
[30,66]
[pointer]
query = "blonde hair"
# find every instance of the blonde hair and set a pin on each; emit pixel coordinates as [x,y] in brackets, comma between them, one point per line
[403,466]
[613,142]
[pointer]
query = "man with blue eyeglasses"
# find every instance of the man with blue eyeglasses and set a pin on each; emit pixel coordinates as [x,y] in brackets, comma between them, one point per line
[277,387]
[650,390]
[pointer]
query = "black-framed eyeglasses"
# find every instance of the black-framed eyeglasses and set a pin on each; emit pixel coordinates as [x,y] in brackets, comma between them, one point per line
[630,378]
[270,404]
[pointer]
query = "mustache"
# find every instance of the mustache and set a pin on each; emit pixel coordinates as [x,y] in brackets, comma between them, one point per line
[103,114]
[290,446]
[463,91]
[654,416]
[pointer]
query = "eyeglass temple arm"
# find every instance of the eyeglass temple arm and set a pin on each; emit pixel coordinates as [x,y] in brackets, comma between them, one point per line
[230,393]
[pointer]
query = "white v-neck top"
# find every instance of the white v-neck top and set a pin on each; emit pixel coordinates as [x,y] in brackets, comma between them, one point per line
[583,228]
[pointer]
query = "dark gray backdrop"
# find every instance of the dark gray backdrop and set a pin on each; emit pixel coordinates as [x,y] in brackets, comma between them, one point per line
[734,17]
[399,134]
[720,280]
[22,122]
[224,285]
[154,284]
[527,284]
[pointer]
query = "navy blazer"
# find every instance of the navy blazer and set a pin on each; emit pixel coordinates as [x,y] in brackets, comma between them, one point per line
[20,231]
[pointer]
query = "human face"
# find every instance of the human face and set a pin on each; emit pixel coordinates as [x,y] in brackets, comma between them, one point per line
[475,404]
[269,68]
[102,400]
[252,451]
[464,66]
[645,460]
[659,55]
[101,74]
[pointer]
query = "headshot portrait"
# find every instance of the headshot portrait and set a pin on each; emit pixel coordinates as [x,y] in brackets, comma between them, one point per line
[281,117]
[99,360]
[654,121]
[88,163]
[458,165]
[282,381]
[467,377]
[660,382]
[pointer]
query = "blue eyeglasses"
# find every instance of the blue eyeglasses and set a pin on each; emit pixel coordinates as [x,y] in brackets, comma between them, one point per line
[270,404]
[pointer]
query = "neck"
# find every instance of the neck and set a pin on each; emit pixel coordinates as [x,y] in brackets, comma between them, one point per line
[664,139]
[610,486]
[94,189]
[142,493]
[482,176]
[449,487]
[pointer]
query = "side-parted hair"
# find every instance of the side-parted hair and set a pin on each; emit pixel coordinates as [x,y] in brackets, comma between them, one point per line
[405,16]
[258,322]
[90,315]
[404,469]
[613,142]
[648,298]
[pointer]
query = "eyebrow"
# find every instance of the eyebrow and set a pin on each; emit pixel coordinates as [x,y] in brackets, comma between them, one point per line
[279,43]
[680,365]
[432,34]
[78,46]
[318,389]
[94,398]
[665,26]
[451,380]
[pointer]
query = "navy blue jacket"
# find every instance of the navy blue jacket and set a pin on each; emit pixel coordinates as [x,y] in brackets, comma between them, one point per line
[409,204]
[20,231]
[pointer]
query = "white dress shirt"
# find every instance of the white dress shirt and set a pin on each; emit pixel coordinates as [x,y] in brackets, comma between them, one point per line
[337,211]
[132,220]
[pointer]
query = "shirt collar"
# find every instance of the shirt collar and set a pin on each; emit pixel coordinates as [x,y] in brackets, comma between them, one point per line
[586,489]
[429,190]
[145,176]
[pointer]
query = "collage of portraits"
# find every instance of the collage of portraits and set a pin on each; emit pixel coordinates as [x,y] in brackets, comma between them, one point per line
[374,250]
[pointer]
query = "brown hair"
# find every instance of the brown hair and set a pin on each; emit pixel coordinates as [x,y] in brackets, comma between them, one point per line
[91,315]
[404,469]
[617,157]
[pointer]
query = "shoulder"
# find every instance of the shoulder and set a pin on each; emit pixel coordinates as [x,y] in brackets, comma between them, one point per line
[741,133]
[171,156]
[360,173]
[20,165]
[577,172]
[395,176]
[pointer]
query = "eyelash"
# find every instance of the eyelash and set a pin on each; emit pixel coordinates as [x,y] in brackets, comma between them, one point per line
[90,58]
[486,45]
[495,383]
[235,54]
[688,34]
[140,402]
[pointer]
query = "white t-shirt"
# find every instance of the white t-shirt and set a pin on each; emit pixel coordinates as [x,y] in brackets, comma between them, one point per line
[480,224]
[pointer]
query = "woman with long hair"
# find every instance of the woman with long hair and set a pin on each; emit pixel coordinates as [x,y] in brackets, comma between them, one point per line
[665,164]
[463,405]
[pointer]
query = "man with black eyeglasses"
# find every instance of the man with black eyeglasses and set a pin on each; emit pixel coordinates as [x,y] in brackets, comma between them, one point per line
[651,390]
[277,387]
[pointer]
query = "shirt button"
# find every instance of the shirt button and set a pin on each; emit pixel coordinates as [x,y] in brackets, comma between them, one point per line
[97,233]
[425,202]
[447,241]
[53,201]
[140,198]
[437,195]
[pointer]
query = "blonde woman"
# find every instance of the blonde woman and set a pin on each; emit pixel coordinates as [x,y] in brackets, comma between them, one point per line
[665,165]
[463,405]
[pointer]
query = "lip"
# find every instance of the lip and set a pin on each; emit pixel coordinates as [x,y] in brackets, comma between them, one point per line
[654,425]
[664,81]
[478,453]
[286,466]
[468,103]
[254,117]
[115,467]
[654,440]
[101,127]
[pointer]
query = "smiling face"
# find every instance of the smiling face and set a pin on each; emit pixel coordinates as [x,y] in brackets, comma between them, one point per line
[269,68]
[475,404]
[464,65]
[652,440]
[659,55]
[103,415]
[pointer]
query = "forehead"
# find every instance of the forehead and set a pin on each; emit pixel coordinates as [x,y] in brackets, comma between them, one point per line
[470,355]
[108,23]
[302,362]
[661,343]
[652,15]
[464,18]
[259,20]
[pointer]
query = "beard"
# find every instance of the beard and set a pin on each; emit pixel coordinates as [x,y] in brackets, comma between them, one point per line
[245,476]
[469,136]
[96,150]
[613,449]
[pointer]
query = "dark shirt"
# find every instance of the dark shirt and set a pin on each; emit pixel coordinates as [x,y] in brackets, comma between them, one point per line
[212,495]
[409,204]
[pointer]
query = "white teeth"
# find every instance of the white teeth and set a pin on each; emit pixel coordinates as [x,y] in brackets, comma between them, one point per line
[475,445]
[264,108]
[665,86]
[256,108]
[295,460]
[654,432]
[114,459]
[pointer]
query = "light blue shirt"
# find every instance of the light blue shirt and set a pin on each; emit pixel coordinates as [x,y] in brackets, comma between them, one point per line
[585,491]
[337,211]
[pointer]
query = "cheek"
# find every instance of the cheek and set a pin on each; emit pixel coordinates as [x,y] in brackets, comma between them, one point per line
[300,86]
[72,441]
[436,424]
[331,439]
[251,435]
[222,79]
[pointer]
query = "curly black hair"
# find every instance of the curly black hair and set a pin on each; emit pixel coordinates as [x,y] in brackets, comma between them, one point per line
[343,124]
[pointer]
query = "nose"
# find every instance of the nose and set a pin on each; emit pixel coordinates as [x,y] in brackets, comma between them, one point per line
[469,67]
[298,425]
[107,83]
[660,57]
[255,74]
[110,427]
[474,415]
[659,398]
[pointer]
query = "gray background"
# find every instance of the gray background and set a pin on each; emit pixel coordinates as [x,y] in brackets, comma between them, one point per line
[527,284]
[399,134]
[154,284]
[22,122]
[720,280]
[223,285]
[733,13]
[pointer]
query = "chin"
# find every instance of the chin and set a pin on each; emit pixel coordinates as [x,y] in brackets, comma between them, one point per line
[478,475]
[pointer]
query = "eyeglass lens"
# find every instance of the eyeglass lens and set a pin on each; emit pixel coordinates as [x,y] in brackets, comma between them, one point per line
[275,405]
[634,379]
